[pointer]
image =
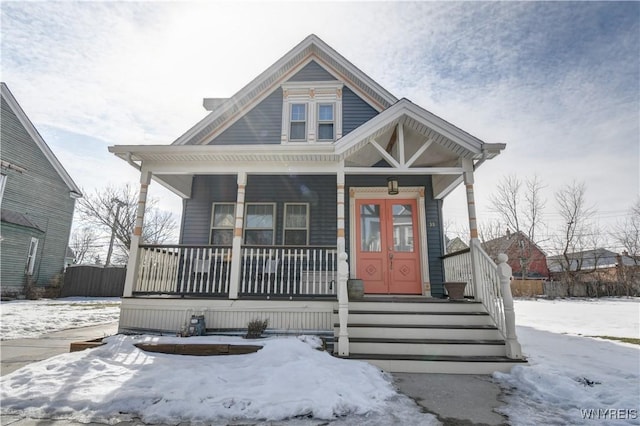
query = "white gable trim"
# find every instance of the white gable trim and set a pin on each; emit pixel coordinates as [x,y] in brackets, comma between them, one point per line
[311,48]
[33,133]
[402,108]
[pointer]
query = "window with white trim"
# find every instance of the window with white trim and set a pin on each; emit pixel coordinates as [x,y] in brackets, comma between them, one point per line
[325,122]
[259,224]
[312,111]
[31,256]
[296,224]
[298,122]
[222,224]
[3,182]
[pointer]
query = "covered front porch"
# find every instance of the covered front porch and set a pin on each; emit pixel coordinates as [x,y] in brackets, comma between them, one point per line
[276,232]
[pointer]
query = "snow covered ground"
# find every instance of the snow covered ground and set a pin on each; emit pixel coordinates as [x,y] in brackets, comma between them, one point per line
[32,318]
[570,379]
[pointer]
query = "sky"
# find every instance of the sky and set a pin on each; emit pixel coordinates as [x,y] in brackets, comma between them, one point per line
[564,382]
[558,82]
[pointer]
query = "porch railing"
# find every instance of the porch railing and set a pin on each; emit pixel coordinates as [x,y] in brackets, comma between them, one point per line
[183,269]
[457,267]
[288,271]
[264,270]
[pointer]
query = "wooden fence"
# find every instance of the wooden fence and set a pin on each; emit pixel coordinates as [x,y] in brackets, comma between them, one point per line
[527,288]
[93,281]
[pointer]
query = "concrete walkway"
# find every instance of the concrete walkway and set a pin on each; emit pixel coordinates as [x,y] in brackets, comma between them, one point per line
[457,400]
[17,353]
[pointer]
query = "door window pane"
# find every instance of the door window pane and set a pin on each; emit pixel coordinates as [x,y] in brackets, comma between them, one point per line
[402,227]
[370,228]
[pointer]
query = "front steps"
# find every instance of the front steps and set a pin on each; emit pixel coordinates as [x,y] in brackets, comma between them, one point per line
[422,335]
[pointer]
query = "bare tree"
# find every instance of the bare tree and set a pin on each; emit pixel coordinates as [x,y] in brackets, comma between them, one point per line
[520,206]
[577,232]
[627,234]
[84,243]
[99,209]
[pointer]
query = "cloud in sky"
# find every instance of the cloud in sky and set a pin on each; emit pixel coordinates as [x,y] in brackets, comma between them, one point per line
[557,81]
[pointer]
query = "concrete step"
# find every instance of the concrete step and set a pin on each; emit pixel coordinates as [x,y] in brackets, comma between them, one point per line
[418,317]
[439,363]
[400,304]
[421,331]
[427,347]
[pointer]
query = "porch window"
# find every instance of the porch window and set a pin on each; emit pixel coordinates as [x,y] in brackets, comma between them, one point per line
[31,256]
[325,122]
[298,122]
[222,224]
[259,224]
[296,224]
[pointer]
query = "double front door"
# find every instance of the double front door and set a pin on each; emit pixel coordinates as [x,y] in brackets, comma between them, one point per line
[387,249]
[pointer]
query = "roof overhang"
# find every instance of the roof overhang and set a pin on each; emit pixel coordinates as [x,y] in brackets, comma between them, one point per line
[74,190]
[425,145]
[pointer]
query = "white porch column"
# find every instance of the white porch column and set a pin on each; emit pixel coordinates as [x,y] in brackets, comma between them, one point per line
[132,264]
[467,166]
[236,249]
[343,271]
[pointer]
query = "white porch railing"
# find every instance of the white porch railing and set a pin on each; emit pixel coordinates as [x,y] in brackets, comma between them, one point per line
[493,290]
[288,271]
[457,267]
[183,269]
[264,271]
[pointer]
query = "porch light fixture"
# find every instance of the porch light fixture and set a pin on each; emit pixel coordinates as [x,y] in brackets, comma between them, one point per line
[392,185]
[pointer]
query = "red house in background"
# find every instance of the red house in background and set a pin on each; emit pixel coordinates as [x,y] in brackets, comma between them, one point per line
[522,252]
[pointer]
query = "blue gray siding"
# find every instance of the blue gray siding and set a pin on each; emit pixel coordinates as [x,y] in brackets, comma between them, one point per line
[355,111]
[433,209]
[196,213]
[261,125]
[312,72]
[317,190]
[43,197]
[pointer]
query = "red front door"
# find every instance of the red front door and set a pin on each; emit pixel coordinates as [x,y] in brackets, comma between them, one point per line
[387,259]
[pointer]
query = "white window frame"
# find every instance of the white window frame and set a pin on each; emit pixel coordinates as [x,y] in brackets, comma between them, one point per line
[32,254]
[284,223]
[312,94]
[305,121]
[273,222]
[3,182]
[332,121]
[213,213]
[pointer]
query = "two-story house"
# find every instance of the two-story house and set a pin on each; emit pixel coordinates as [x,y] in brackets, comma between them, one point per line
[38,197]
[309,176]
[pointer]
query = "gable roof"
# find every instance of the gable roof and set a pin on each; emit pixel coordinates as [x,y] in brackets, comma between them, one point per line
[589,259]
[35,136]
[502,244]
[226,111]
[16,218]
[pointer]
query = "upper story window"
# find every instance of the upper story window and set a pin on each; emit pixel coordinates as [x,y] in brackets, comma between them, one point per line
[325,122]
[312,111]
[298,122]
